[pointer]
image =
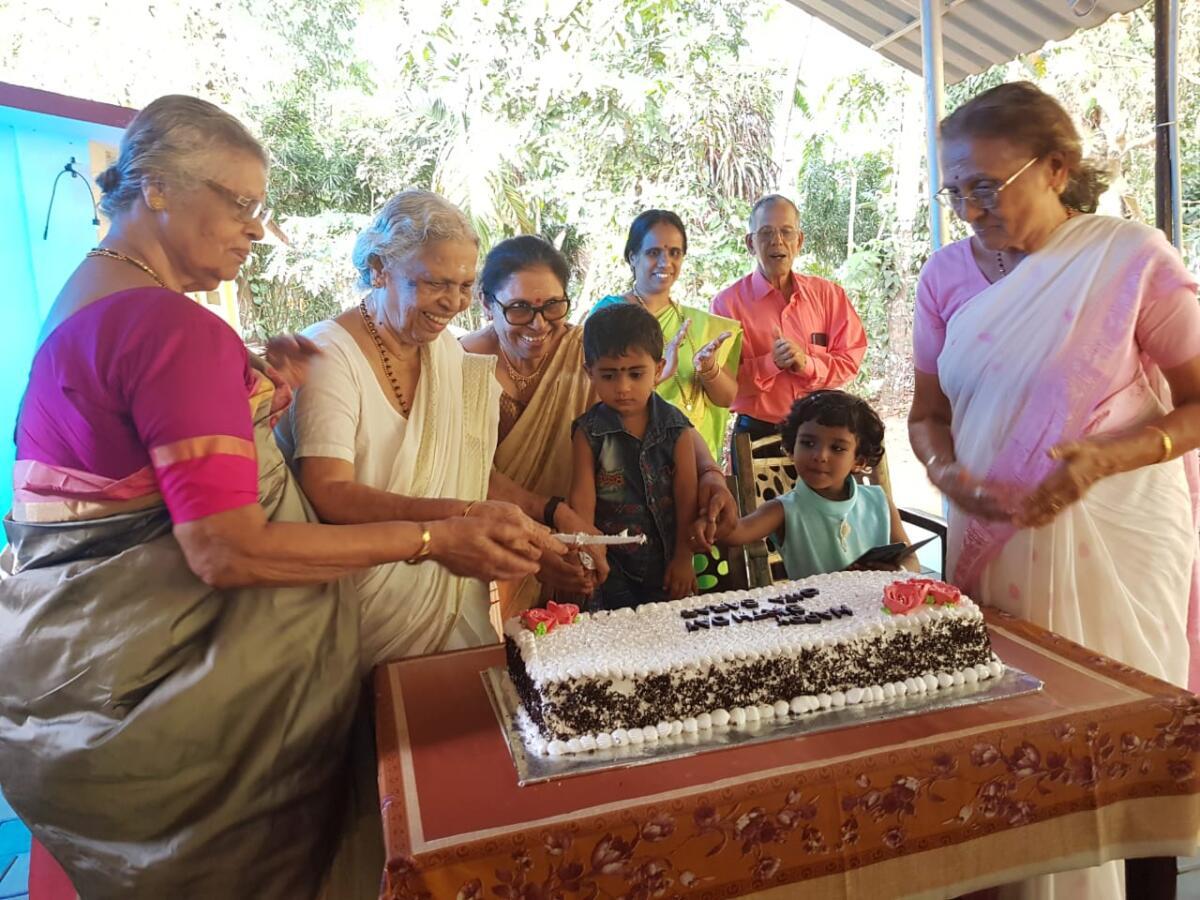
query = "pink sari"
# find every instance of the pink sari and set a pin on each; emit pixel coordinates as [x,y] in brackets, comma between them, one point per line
[1032,361]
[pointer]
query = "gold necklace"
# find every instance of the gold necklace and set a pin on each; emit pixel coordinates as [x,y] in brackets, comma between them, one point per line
[521,382]
[383,358]
[697,389]
[106,253]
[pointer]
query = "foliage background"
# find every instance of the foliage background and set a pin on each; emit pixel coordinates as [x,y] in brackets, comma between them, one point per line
[568,117]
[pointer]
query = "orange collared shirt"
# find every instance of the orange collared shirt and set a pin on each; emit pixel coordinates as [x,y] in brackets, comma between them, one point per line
[818,316]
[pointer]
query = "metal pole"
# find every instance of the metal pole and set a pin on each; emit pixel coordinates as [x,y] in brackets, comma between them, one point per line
[1168,199]
[931,63]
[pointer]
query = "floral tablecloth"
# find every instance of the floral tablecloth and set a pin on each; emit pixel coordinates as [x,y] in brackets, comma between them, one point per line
[1100,765]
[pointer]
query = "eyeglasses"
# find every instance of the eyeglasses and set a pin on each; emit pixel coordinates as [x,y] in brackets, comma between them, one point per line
[442,290]
[767,235]
[249,209]
[982,197]
[522,313]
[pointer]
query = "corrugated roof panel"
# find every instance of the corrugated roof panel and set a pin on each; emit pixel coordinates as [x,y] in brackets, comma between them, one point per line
[976,34]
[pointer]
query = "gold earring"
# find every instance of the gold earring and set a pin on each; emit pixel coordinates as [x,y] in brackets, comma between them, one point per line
[157,205]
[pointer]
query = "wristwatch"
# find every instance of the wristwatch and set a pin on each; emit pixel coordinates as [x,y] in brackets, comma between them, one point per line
[551,508]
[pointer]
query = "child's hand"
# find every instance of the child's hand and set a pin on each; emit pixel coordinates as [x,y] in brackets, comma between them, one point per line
[681,577]
[698,536]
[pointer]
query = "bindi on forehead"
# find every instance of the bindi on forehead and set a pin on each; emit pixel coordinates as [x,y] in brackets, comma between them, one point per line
[663,238]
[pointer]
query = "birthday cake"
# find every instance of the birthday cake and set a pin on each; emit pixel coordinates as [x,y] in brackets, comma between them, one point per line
[590,681]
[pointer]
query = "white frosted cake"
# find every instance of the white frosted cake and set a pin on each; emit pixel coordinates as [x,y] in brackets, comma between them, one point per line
[594,681]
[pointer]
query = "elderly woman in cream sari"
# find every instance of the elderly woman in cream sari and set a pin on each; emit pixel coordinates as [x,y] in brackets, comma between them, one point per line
[1058,402]
[397,420]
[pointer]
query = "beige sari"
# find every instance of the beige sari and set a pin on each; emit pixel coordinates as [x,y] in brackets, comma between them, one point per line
[536,454]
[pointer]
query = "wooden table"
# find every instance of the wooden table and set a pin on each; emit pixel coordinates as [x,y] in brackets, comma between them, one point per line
[1103,764]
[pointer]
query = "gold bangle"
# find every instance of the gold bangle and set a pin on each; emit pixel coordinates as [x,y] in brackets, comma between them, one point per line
[1168,445]
[426,547]
[470,506]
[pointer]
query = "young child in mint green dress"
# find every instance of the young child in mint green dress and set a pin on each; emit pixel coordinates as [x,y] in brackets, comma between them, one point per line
[828,520]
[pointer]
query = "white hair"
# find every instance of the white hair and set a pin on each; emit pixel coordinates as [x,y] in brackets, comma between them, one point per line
[168,141]
[767,201]
[408,222]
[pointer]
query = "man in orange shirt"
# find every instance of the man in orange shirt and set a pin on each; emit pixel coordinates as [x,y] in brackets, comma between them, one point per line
[801,333]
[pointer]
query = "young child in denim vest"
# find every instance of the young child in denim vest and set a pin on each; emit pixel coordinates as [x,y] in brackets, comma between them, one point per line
[828,520]
[631,470]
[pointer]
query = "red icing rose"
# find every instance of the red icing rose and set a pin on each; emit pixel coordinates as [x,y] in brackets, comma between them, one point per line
[943,594]
[563,613]
[901,597]
[539,621]
[544,621]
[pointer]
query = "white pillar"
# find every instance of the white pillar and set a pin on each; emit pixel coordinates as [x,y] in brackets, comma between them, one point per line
[931,59]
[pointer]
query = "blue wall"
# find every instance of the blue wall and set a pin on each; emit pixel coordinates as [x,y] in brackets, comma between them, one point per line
[33,149]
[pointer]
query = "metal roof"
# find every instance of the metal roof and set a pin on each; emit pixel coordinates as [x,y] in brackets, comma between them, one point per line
[976,34]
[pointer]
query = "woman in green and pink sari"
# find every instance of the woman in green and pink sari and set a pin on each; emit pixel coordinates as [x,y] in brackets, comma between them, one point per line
[703,349]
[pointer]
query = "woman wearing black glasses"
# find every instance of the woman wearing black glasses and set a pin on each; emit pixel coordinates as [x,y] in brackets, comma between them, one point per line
[544,388]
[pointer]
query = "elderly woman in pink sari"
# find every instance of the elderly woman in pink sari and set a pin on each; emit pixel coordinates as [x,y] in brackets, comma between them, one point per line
[1057,402]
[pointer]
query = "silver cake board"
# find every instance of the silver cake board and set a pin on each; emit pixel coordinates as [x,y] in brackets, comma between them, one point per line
[532,768]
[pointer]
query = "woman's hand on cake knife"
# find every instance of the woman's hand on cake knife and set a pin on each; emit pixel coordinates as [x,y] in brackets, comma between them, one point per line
[496,511]
[570,522]
[568,573]
[490,550]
